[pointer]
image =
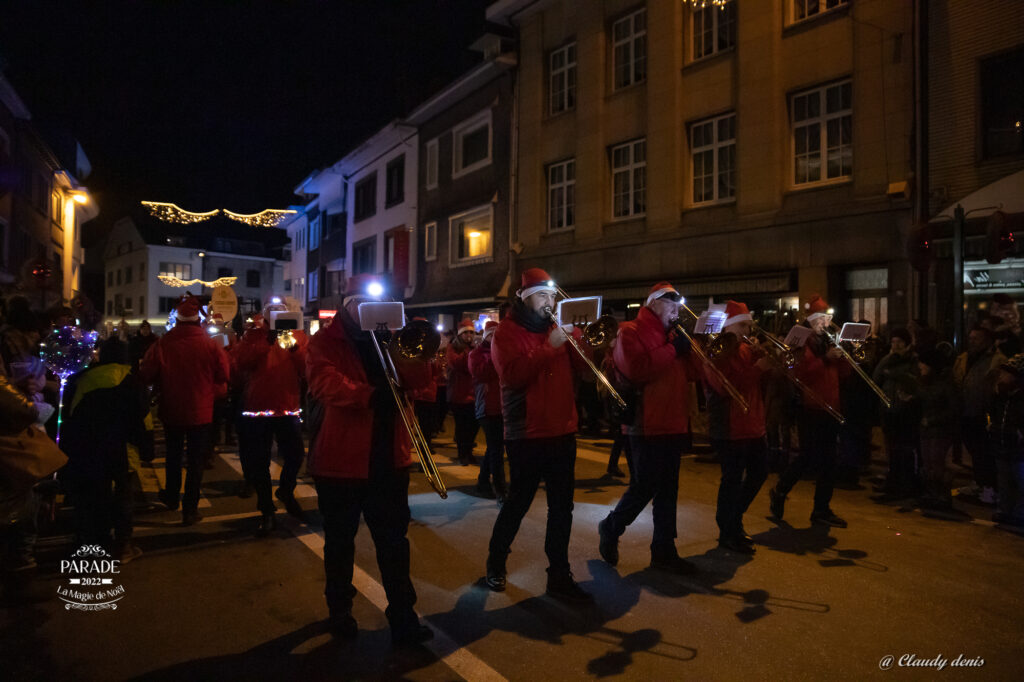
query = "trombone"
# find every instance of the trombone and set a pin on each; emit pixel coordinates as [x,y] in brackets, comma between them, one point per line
[733,392]
[598,334]
[417,340]
[833,336]
[785,359]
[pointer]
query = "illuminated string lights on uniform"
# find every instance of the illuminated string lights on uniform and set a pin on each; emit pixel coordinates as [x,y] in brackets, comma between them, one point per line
[273,413]
[172,281]
[172,213]
[271,217]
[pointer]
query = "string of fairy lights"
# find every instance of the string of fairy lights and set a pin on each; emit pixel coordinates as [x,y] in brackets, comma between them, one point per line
[172,213]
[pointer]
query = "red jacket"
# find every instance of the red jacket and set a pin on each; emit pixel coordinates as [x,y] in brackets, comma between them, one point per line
[646,358]
[190,369]
[485,381]
[460,381]
[271,375]
[428,393]
[820,373]
[726,420]
[537,397]
[337,379]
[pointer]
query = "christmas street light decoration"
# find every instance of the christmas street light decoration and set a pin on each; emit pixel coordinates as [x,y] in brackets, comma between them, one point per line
[271,217]
[172,281]
[172,213]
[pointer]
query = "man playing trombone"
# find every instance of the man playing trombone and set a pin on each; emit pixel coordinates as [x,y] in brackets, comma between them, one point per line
[656,360]
[359,458]
[821,368]
[535,368]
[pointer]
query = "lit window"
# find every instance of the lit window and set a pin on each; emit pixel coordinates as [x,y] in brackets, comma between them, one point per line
[470,236]
[713,153]
[629,44]
[629,179]
[561,195]
[713,29]
[822,133]
[179,270]
[562,88]
[471,144]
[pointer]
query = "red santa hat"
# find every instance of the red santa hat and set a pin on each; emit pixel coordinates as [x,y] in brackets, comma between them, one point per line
[534,280]
[660,290]
[466,326]
[489,328]
[736,311]
[816,307]
[362,286]
[188,309]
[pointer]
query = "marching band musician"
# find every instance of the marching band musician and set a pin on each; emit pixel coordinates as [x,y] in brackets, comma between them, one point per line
[738,437]
[359,459]
[535,369]
[655,360]
[491,482]
[461,394]
[821,368]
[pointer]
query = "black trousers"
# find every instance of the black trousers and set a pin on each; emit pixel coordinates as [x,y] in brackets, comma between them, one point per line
[744,470]
[655,478]
[818,432]
[492,468]
[620,444]
[190,442]
[465,430]
[101,504]
[974,434]
[426,415]
[255,437]
[384,502]
[530,461]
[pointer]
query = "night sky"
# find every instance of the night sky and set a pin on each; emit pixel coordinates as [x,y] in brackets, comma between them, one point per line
[217,104]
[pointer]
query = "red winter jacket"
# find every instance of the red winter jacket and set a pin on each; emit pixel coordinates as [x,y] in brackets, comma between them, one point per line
[485,381]
[646,358]
[428,393]
[537,396]
[270,374]
[820,373]
[726,420]
[460,381]
[337,379]
[190,369]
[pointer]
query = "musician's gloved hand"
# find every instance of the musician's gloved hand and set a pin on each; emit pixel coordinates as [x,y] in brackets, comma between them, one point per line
[681,342]
[557,337]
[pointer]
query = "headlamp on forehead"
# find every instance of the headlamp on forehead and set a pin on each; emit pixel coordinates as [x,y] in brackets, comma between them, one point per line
[375,289]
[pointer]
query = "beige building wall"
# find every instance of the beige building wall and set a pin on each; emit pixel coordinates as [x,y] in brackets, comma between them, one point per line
[771,228]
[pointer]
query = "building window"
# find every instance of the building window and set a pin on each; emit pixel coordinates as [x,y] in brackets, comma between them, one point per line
[562,195]
[470,235]
[430,241]
[629,179]
[629,44]
[713,149]
[389,253]
[166,304]
[314,233]
[128,275]
[179,270]
[313,292]
[288,285]
[364,256]
[394,182]
[432,159]
[366,198]
[1002,104]
[471,144]
[142,306]
[714,29]
[562,85]
[822,133]
[252,279]
[803,9]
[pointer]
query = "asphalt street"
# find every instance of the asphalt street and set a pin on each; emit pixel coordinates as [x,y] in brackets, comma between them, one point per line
[214,602]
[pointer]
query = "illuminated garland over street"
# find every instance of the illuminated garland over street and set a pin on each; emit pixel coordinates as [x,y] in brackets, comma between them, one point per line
[172,281]
[172,213]
[701,4]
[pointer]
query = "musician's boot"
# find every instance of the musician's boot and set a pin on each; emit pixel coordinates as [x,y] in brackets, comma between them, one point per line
[495,578]
[342,625]
[562,587]
[609,543]
[776,503]
[828,517]
[668,560]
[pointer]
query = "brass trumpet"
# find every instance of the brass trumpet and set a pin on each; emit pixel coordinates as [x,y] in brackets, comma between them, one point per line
[419,341]
[716,349]
[833,336]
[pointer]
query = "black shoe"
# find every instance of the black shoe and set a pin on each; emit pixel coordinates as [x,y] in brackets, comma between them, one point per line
[168,499]
[343,626]
[191,518]
[416,634]
[565,589]
[292,506]
[268,523]
[608,545]
[495,578]
[736,544]
[616,472]
[776,504]
[673,564]
[829,518]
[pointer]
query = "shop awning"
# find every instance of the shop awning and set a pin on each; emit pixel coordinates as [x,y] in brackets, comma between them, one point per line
[1005,194]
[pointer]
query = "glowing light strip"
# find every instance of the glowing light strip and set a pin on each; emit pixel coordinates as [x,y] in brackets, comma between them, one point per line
[172,281]
[271,217]
[273,413]
[172,213]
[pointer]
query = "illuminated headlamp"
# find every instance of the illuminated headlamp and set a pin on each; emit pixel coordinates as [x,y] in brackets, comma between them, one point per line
[375,289]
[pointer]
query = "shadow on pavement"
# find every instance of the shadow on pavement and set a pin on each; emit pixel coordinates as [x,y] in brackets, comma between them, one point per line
[816,540]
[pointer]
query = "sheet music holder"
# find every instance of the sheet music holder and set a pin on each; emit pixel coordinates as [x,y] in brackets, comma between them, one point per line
[578,311]
[710,322]
[856,332]
[798,336]
[374,316]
